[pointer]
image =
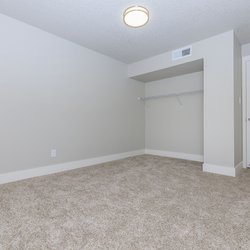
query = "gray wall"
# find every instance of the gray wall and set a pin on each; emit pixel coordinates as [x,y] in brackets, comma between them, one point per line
[55,94]
[171,126]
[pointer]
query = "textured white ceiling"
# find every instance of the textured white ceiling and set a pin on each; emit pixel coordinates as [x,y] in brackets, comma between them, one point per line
[97,24]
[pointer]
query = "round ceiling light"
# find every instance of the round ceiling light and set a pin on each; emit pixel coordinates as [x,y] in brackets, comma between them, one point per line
[136,16]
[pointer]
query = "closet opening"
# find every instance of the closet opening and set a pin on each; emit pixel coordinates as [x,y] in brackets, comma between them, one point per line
[174,111]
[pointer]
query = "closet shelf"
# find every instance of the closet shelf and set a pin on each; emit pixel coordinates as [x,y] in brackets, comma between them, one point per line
[168,95]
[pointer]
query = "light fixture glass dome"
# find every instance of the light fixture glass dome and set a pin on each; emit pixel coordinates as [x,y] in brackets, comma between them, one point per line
[136,16]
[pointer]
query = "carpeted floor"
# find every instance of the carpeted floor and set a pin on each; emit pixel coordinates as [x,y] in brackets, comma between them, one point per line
[142,202]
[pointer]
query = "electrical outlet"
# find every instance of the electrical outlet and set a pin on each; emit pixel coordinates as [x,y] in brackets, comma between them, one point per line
[53,153]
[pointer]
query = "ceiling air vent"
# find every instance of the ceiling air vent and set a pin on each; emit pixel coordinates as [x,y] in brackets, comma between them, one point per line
[182,53]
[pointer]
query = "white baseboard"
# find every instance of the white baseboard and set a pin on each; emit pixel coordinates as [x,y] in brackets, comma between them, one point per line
[177,155]
[51,169]
[229,171]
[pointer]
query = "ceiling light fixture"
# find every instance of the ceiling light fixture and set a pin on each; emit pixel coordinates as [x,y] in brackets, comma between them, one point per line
[136,16]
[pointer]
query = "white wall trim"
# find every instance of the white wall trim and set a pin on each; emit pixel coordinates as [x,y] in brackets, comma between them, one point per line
[223,170]
[51,169]
[177,155]
[245,59]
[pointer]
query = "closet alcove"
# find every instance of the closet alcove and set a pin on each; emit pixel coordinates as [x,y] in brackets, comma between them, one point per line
[174,110]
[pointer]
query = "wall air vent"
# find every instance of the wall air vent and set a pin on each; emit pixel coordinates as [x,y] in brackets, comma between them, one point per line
[182,53]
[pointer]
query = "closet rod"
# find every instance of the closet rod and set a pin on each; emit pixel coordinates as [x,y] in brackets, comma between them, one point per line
[168,95]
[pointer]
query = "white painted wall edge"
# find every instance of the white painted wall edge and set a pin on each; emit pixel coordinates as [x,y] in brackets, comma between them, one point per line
[51,169]
[228,171]
[177,155]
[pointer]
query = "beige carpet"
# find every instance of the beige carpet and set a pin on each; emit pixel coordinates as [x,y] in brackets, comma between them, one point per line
[143,202]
